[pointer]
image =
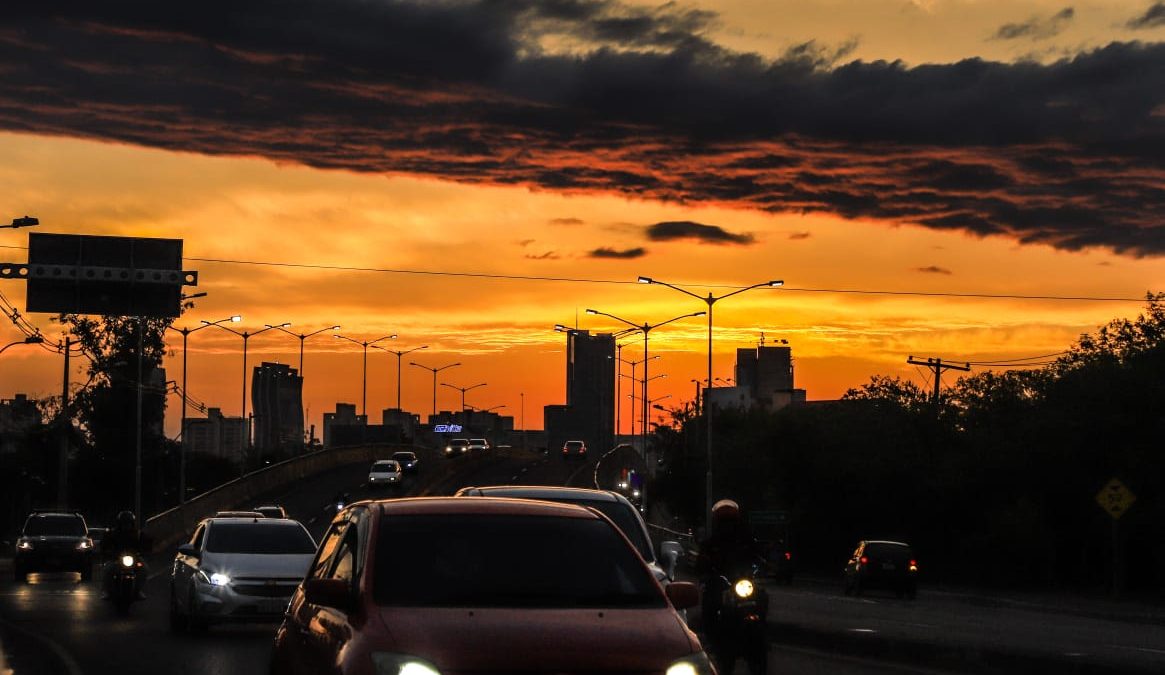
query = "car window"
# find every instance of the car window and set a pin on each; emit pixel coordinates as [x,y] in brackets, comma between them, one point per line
[403,456]
[259,539]
[383,466]
[54,526]
[345,567]
[623,516]
[882,551]
[327,550]
[196,540]
[508,561]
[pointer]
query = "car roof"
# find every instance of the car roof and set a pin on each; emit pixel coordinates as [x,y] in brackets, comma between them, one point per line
[886,541]
[384,461]
[259,520]
[544,492]
[459,440]
[55,514]
[404,452]
[481,506]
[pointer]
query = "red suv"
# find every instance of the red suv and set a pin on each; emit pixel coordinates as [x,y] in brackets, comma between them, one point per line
[451,585]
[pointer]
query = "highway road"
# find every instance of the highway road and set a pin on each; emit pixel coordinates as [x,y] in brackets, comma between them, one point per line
[57,625]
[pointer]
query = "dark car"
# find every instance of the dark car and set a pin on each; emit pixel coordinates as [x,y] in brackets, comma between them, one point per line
[407,460]
[494,586]
[574,449]
[778,560]
[888,565]
[53,541]
[271,511]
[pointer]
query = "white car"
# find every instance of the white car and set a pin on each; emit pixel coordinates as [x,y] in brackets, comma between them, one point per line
[384,472]
[478,444]
[238,570]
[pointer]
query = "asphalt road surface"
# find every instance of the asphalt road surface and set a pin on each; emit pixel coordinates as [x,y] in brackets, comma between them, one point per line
[57,624]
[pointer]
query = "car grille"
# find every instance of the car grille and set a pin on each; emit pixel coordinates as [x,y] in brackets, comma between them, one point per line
[264,588]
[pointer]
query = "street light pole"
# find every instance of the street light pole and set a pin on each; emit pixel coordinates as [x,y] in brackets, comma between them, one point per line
[435,371]
[365,344]
[246,336]
[182,432]
[463,390]
[710,300]
[646,328]
[301,338]
[400,353]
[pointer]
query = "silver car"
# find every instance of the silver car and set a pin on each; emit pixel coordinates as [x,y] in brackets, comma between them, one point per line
[238,569]
[384,472]
[611,504]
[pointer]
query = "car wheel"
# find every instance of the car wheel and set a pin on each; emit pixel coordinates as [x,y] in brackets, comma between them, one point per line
[178,623]
[194,623]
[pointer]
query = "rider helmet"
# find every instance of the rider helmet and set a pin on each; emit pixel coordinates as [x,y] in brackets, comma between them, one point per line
[725,509]
[126,520]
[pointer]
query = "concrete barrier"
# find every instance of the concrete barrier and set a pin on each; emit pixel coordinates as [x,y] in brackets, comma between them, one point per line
[168,527]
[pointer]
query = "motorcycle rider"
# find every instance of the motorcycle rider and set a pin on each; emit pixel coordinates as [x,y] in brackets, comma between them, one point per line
[728,549]
[124,538]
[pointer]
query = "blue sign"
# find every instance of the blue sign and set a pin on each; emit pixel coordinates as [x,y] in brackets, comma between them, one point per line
[446,428]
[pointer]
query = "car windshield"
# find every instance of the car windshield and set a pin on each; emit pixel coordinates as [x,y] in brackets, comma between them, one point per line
[257,538]
[621,514]
[885,551]
[404,456]
[574,445]
[478,441]
[508,561]
[54,526]
[458,441]
[384,466]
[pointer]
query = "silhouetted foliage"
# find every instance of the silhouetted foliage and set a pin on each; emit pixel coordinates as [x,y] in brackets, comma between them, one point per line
[998,488]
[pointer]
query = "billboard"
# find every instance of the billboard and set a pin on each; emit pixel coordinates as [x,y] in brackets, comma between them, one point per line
[121,276]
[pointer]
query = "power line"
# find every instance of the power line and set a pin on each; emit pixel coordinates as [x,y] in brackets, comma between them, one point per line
[621,282]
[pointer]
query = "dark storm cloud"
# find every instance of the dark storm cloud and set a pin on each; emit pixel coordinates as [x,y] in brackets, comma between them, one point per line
[685,229]
[1152,18]
[1037,28]
[932,269]
[566,221]
[548,255]
[625,254]
[1069,154]
[797,236]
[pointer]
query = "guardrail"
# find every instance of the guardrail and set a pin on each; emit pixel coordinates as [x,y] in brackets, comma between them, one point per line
[167,527]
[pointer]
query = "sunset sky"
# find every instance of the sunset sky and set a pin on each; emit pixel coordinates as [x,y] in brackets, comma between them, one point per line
[468,174]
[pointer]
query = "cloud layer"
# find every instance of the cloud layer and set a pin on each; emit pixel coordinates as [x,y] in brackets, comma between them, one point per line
[630,101]
[1037,28]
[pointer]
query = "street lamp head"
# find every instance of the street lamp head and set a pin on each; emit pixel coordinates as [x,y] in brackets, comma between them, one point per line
[33,339]
[699,313]
[560,328]
[592,311]
[236,318]
[334,328]
[776,283]
[646,280]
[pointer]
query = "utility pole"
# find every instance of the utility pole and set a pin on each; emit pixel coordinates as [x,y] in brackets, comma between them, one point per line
[938,367]
[63,449]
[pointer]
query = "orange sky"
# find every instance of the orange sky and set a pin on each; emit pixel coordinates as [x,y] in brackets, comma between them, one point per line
[502,330]
[808,134]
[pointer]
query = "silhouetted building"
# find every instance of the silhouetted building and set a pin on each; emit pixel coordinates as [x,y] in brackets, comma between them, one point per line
[589,413]
[276,398]
[403,420]
[215,435]
[18,416]
[764,377]
[345,416]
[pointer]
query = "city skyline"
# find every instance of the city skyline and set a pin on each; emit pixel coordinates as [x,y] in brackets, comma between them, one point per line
[459,200]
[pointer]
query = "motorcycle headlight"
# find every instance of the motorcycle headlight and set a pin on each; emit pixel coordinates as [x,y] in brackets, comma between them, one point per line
[744,588]
[84,546]
[696,664]
[127,561]
[24,546]
[385,663]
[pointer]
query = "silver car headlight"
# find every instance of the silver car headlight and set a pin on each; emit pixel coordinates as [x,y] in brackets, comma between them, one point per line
[693,664]
[385,663]
[25,546]
[214,578]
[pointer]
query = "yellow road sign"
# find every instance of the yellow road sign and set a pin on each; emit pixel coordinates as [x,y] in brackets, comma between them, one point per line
[1115,498]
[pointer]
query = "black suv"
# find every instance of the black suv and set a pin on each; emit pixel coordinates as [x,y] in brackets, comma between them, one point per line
[53,541]
[882,564]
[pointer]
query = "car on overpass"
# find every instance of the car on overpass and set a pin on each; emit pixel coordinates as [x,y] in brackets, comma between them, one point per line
[476,444]
[407,460]
[493,586]
[456,447]
[574,450]
[53,541]
[385,473]
[237,570]
[887,565]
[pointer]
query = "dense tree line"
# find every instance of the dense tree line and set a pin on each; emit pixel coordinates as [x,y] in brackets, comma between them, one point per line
[995,485]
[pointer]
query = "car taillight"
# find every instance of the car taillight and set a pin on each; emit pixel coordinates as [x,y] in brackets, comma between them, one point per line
[913,565]
[788,556]
[863,560]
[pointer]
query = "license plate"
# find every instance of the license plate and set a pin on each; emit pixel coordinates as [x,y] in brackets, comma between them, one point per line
[889,566]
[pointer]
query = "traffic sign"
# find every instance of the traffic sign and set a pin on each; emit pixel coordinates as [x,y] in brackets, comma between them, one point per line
[1115,498]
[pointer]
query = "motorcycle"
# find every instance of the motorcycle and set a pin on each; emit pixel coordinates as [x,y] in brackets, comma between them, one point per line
[123,585]
[738,629]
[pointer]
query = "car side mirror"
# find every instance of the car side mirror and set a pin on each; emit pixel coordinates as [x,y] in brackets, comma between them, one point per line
[670,552]
[683,594]
[188,549]
[328,593]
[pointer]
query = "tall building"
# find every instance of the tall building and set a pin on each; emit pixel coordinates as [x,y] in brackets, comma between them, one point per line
[764,377]
[276,398]
[589,413]
[345,416]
